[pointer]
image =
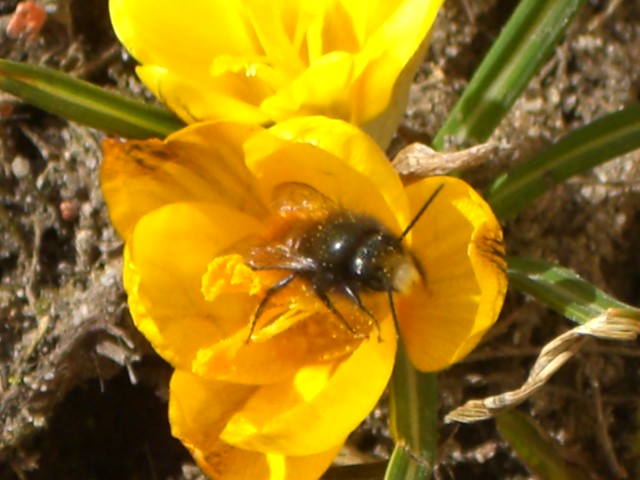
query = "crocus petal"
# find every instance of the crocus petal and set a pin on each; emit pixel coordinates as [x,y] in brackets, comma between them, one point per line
[320,406]
[321,89]
[183,37]
[165,258]
[382,125]
[387,53]
[198,411]
[199,163]
[248,362]
[459,244]
[277,27]
[381,91]
[230,96]
[346,164]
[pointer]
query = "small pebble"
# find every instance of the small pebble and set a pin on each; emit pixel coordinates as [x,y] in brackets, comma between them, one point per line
[69,210]
[20,167]
[27,21]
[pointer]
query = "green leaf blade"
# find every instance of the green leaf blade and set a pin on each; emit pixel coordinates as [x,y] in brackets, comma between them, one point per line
[80,101]
[601,140]
[537,449]
[526,42]
[560,289]
[414,421]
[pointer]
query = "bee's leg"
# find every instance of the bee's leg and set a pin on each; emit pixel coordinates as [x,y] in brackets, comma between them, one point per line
[353,295]
[419,267]
[271,291]
[392,305]
[322,295]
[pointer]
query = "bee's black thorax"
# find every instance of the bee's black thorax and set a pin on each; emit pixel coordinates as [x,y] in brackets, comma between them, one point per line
[352,249]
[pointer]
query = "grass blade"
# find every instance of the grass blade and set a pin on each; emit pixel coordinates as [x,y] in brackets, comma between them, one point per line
[414,421]
[602,140]
[538,451]
[82,102]
[560,289]
[526,42]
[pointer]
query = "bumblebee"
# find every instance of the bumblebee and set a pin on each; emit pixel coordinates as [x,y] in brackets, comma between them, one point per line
[335,251]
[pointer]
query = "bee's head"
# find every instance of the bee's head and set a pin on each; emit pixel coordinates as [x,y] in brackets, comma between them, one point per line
[381,262]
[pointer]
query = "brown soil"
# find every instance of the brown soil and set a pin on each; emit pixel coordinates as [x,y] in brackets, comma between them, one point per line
[82,396]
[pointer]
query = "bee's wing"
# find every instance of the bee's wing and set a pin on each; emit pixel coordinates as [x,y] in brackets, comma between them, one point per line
[301,200]
[278,257]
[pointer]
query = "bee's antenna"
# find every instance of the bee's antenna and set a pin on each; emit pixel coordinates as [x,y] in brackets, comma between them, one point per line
[420,212]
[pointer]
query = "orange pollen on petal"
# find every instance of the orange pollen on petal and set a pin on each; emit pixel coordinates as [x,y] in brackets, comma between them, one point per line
[230,274]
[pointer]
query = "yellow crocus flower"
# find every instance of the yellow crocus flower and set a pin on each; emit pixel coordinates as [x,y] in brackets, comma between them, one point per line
[276,397]
[259,62]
